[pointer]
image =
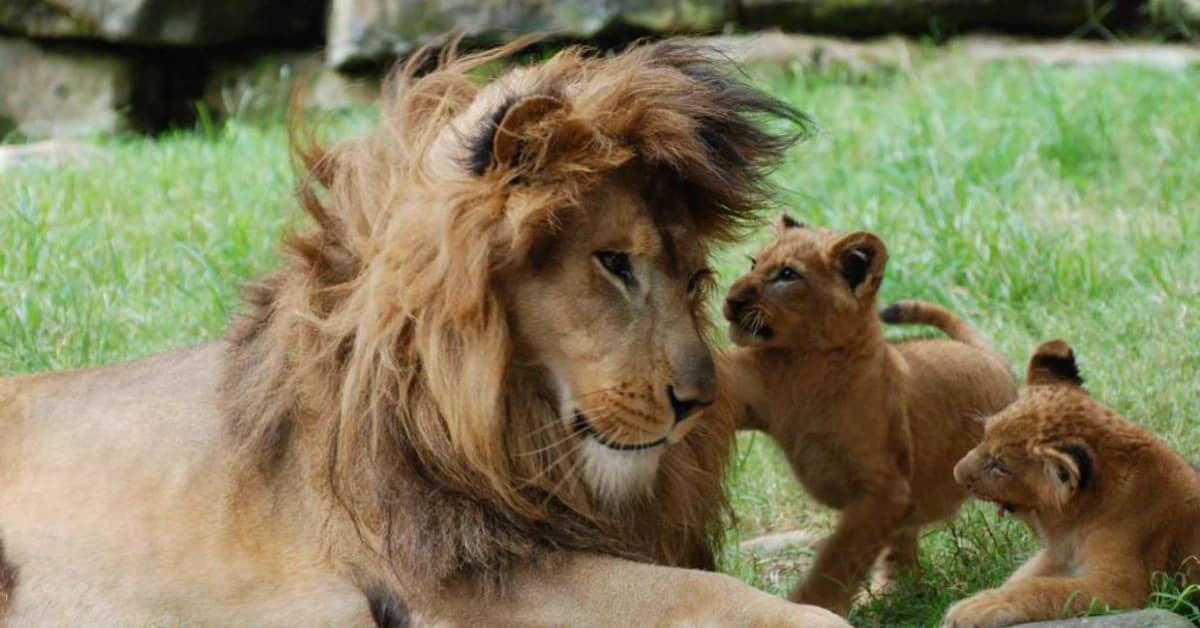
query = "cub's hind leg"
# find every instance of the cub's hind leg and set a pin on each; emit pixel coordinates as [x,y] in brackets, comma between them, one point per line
[898,560]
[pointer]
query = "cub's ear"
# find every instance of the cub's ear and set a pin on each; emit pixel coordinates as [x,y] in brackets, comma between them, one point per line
[787,222]
[860,259]
[518,130]
[1054,363]
[1070,469]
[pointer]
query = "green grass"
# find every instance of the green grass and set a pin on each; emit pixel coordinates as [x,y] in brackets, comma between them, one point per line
[1037,202]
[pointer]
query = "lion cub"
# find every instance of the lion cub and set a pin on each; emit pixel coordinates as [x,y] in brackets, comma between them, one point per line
[870,428]
[1111,503]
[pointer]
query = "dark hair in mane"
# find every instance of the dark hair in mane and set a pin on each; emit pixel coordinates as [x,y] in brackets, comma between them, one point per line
[393,398]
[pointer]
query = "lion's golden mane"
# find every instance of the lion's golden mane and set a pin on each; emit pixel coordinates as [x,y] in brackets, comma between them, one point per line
[375,363]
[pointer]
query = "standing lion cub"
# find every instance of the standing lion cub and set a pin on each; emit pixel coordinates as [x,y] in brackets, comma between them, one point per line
[870,428]
[1111,502]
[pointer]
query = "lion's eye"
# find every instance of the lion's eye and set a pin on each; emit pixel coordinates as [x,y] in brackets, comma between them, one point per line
[699,279]
[787,273]
[618,264]
[753,262]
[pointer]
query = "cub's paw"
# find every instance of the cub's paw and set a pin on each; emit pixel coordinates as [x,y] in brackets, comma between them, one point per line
[984,610]
[832,598]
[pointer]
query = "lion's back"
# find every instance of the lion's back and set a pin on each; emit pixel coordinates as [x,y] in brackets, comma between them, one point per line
[94,466]
[156,407]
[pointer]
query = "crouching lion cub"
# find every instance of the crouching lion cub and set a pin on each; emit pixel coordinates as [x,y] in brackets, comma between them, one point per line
[1111,503]
[870,428]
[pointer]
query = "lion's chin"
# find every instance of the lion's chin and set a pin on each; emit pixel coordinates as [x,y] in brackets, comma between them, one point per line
[615,476]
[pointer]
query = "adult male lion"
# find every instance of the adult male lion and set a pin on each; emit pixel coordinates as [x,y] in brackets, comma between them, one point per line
[469,395]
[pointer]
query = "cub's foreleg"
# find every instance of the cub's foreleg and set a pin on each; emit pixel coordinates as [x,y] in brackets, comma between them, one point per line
[1040,564]
[865,528]
[1109,580]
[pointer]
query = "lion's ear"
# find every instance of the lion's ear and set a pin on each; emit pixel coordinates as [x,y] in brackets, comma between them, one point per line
[1069,468]
[860,258]
[522,127]
[1054,363]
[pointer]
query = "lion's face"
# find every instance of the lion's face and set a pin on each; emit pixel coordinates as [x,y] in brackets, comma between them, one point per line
[810,287]
[609,307]
[1035,456]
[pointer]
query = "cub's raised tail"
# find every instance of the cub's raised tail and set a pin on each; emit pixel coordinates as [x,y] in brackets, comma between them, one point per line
[924,313]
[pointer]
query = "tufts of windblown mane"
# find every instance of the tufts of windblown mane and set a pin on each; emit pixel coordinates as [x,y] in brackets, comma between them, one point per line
[376,365]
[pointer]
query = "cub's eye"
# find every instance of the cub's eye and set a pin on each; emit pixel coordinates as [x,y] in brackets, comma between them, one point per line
[699,280]
[618,264]
[753,262]
[995,468]
[787,273]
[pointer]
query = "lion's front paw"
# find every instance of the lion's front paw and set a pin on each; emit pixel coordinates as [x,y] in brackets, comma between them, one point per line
[984,610]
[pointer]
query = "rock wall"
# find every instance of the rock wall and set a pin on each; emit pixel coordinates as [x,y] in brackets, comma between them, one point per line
[66,91]
[165,22]
[372,30]
[71,67]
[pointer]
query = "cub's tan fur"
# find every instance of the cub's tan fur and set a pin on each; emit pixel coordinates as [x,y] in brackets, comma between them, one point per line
[870,428]
[469,396]
[1111,503]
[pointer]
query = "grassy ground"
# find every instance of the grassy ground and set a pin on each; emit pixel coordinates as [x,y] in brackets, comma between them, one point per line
[1039,203]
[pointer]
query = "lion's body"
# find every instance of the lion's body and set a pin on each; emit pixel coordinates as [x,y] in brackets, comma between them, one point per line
[1111,503]
[869,427]
[115,507]
[470,394]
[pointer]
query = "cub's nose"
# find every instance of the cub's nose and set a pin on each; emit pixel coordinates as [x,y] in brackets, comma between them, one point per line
[685,403]
[962,476]
[735,304]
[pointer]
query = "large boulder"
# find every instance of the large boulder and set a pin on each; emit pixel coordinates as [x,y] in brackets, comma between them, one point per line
[169,22]
[65,92]
[364,31]
[870,17]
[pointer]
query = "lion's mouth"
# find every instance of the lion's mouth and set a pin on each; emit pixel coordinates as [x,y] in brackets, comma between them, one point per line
[585,428]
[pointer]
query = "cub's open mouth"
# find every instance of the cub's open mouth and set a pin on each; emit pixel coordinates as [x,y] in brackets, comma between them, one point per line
[584,427]
[1005,508]
[758,332]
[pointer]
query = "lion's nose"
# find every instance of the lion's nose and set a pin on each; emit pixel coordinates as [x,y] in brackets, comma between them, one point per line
[687,403]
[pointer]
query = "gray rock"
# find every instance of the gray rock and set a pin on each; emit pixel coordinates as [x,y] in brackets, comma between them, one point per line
[174,22]
[47,153]
[779,541]
[1150,618]
[66,92]
[823,53]
[269,83]
[897,53]
[859,17]
[363,31]
[1078,53]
